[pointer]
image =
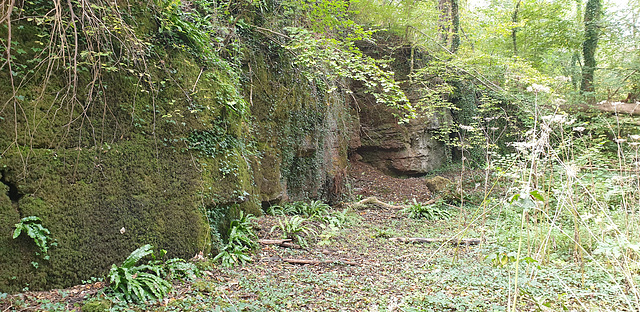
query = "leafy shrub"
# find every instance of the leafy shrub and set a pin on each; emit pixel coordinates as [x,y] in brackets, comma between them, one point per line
[315,208]
[429,212]
[139,283]
[275,210]
[32,225]
[295,228]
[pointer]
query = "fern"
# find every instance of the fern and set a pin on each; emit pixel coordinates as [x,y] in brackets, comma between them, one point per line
[144,282]
[33,228]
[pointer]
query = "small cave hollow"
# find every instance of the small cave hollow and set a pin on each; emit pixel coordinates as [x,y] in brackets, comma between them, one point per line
[13,193]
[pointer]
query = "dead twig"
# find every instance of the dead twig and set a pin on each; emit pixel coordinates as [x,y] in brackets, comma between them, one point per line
[316,262]
[422,240]
[280,242]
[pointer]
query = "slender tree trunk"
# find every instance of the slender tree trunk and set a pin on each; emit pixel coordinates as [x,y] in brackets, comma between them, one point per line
[455,25]
[576,62]
[592,13]
[449,24]
[514,31]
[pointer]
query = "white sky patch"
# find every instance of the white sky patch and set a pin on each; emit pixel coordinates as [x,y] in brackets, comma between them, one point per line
[615,5]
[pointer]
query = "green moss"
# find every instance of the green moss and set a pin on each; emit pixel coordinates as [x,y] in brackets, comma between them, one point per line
[96,306]
[88,197]
[295,128]
[111,169]
[166,155]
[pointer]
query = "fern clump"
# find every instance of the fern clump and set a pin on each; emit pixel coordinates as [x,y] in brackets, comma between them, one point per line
[296,229]
[33,227]
[241,240]
[140,283]
[429,212]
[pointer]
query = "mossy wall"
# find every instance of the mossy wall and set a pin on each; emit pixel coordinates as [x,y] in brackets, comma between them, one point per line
[159,152]
[300,128]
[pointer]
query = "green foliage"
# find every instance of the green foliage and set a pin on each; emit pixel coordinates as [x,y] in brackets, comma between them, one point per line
[295,228]
[32,226]
[218,143]
[617,248]
[139,282]
[430,212]
[180,269]
[334,59]
[232,255]
[501,259]
[175,23]
[338,219]
[241,231]
[312,209]
[240,240]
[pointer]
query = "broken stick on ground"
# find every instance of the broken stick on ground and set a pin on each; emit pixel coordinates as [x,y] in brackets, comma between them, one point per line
[455,241]
[280,242]
[308,261]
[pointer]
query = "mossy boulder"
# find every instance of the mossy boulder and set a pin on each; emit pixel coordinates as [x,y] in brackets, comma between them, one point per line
[437,184]
[115,176]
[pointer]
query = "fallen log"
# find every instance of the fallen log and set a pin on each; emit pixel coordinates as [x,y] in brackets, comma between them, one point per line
[316,262]
[280,242]
[376,202]
[422,240]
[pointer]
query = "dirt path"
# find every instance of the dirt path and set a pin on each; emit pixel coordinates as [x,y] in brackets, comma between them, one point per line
[368,181]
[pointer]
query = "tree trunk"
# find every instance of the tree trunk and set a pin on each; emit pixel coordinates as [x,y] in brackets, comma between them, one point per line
[592,13]
[449,24]
[455,26]
[514,30]
[576,62]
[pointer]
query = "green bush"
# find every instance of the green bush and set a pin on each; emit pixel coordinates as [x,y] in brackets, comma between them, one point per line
[241,231]
[232,255]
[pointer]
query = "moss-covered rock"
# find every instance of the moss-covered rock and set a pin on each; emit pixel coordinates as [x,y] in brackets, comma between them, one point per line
[163,150]
[437,184]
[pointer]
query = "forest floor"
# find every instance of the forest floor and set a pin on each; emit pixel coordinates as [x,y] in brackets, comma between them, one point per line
[360,268]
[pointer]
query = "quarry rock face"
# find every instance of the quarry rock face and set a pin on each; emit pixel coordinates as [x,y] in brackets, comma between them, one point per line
[404,149]
[397,149]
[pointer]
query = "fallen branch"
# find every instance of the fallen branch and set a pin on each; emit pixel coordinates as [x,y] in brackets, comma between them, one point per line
[376,202]
[316,262]
[280,242]
[455,241]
